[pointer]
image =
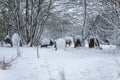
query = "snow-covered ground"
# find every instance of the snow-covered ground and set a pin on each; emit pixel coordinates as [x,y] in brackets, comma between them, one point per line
[69,64]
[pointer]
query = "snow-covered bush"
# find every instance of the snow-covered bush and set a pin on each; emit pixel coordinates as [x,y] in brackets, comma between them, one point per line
[69,40]
[94,42]
[15,39]
[8,41]
[77,41]
[45,42]
[60,44]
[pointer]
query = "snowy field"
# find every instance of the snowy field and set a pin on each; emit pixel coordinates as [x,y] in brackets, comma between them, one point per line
[69,64]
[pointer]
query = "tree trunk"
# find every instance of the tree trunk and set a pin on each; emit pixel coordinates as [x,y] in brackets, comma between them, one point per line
[27,22]
[84,24]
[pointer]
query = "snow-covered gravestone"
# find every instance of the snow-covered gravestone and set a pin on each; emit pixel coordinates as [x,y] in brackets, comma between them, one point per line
[15,39]
[45,42]
[60,44]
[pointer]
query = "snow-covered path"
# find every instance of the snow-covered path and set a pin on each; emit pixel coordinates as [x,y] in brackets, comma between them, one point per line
[74,64]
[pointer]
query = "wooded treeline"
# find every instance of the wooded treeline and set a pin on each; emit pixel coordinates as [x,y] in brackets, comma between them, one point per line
[34,19]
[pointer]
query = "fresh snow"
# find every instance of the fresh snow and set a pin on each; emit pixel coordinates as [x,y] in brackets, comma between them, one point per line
[69,38]
[78,37]
[7,36]
[73,63]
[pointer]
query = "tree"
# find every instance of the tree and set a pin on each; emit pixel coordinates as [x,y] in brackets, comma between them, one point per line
[27,17]
[111,10]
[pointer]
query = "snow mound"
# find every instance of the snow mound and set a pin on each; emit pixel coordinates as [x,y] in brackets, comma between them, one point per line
[15,39]
[60,43]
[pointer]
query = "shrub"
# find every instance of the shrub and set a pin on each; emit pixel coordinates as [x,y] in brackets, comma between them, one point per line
[5,64]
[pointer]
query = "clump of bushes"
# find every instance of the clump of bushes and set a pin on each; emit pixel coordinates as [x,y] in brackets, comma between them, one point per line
[5,64]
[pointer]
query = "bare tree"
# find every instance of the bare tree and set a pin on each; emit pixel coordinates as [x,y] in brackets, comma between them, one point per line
[27,17]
